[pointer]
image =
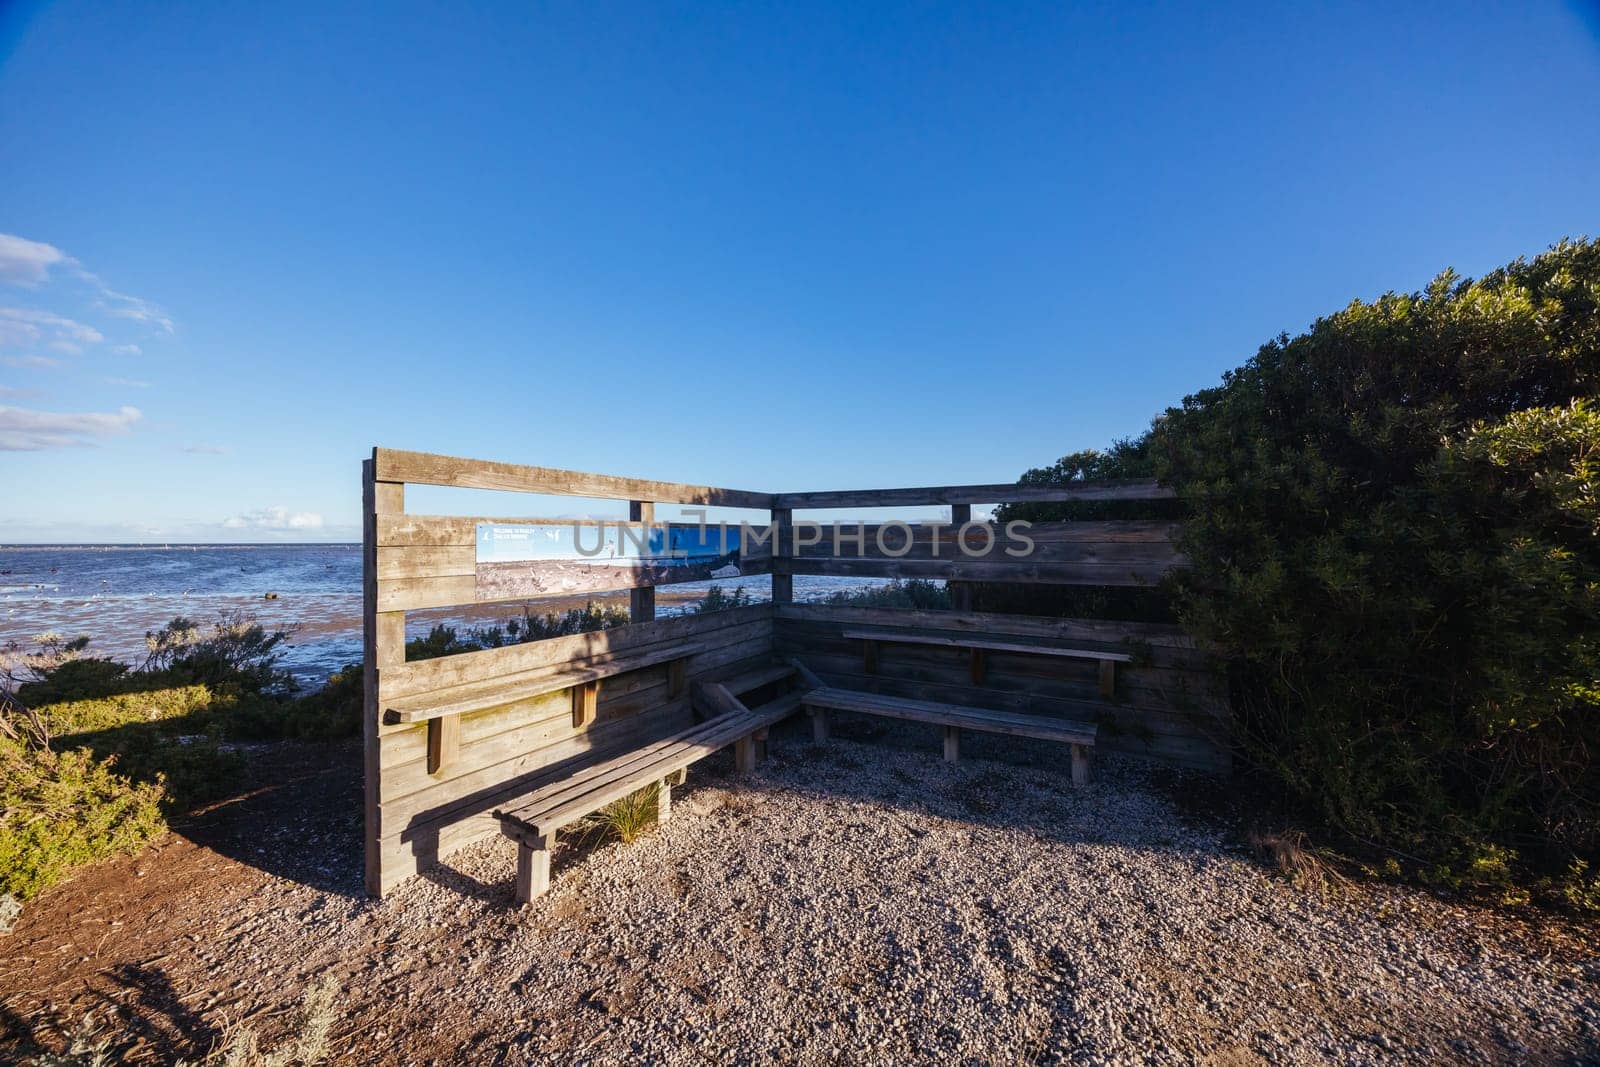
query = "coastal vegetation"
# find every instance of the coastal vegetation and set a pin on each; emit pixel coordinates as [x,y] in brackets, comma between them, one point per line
[1393,531]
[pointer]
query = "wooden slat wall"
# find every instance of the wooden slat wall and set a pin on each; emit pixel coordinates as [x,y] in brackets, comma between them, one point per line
[1169,705]
[415,816]
[507,747]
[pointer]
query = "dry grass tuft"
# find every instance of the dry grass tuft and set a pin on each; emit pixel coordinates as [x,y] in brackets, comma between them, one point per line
[1288,853]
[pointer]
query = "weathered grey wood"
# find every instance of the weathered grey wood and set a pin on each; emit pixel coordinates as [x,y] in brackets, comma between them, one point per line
[1108,678]
[762,676]
[444,743]
[1064,631]
[1080,765]
[808,677]
[781,527]
[663,800]
[901,637]
[642,601]
[961,592]
[556,654]
[585,702]
[533,870]
[819,726]
[394,465]
[383,645]
[461,531]
[744,755]
[507,688]
[974,494]
[715,700]
[1001,722]
[1021,572]
[952,744]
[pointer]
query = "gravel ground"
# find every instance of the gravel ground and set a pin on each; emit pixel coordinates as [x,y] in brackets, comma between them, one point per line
[867,903]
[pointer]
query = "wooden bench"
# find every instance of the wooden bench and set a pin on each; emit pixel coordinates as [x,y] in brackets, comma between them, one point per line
[979,646]
[533,820]
[442,709]
[821,699]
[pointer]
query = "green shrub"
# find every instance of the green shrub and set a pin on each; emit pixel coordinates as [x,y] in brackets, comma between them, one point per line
[1392,526]
[717,599]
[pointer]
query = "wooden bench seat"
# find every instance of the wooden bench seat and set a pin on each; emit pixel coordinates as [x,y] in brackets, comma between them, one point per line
[979,645]
[955,718]
[442,709]
[533,820]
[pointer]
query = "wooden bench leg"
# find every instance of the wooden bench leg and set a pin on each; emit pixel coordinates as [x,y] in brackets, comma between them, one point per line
[761,744]
[744,754]
[533,869]
[952,744]
[1080,765]
[1108,678]
[663,801]
[819,726]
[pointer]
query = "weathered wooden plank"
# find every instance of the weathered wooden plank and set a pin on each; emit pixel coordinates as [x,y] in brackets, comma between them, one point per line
[974,494]
[992,720]
[981,548]
[988,643]
[406,531]
[641,601]
[444,742]
[394,465]
[415,594]
[425,561]
[423,675]
[383,644]
[1154,634]
[1020,572]
[505,689]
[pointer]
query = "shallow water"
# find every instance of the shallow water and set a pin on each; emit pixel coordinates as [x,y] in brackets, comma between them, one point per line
[116,593]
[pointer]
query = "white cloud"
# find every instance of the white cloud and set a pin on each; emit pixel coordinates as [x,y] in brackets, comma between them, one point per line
[69,347]
[19,394]
[276,517]
[31,322]
[140,311]
[126,350]
[22,430]
[213,450]
[127,383]
[29,361]
[25,262]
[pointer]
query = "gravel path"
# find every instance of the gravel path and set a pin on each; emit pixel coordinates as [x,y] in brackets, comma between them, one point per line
[867,904]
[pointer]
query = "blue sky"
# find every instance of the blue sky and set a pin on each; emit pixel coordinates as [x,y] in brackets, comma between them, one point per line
[763,246]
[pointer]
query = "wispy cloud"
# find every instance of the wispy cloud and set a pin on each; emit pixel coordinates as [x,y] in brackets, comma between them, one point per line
[19,394]
[29,361]
[276,517]
[126,350]
[207,450]
[22,430]
[132,307]
[25,262]
[127,383]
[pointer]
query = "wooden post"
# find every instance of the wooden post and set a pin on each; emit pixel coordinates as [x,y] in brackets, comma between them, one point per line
[761,744]
[1108,678]
[641,602]
[585,699]
[444,742]
[819,726]
[1080,765]
[744,754]
[960,592]
[952,744]
[676,672]
[533,868]
[664,801]
[782,584]
[383,643]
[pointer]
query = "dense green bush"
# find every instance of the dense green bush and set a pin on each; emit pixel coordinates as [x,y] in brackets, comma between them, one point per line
[1395,541]
[914,594]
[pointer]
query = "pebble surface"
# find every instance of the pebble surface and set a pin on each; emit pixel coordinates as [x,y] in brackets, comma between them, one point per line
[867,903]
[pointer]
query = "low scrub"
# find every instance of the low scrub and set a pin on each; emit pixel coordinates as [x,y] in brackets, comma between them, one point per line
[97,755]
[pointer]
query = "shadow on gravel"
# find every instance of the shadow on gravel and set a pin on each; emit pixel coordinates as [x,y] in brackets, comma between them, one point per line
[298,816]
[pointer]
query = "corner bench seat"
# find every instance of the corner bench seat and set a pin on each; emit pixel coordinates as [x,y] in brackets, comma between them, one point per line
[978,645]
[955,718]
[533,819]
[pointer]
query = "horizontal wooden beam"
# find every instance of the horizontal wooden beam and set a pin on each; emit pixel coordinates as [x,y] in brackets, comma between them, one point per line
[1023,572]
[425,468]
[1012,493]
